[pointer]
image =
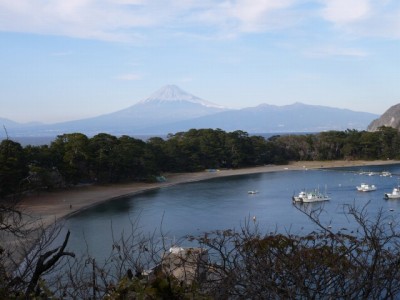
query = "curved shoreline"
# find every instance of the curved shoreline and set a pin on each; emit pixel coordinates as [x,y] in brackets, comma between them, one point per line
[47,208]
[50,207]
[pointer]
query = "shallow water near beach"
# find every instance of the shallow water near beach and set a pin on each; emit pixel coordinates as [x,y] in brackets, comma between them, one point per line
[224,203]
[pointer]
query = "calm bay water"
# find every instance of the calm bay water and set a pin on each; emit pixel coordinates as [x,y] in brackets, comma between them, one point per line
[223,203]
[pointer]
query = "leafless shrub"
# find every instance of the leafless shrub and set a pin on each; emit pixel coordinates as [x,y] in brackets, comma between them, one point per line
[322,264]
[240,264]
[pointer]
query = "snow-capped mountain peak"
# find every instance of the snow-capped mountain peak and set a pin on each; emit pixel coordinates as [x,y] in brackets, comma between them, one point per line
[172,93]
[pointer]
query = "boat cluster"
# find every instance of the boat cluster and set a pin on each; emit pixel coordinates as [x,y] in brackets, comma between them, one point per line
[317,196]
[383,174]
[395,194]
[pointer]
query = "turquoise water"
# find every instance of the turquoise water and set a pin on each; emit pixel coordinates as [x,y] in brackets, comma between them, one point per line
[223,203]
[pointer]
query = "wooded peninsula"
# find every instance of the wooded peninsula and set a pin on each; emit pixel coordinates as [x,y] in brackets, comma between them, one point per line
[74,158]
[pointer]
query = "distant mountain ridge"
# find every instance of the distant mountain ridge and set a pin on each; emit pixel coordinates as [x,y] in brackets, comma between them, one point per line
[9,123]
[170,109]
[297,117]
[390,118]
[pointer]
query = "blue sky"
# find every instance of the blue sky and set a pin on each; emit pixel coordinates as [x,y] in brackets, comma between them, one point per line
[65,60]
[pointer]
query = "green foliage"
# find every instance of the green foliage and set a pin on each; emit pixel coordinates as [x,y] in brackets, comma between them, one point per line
[71,154]
[102,163]
[74,158]
[13,167]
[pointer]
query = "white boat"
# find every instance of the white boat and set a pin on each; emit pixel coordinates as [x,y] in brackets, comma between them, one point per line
[308,197]
[252,192]
[386,174]
[364,187]
[299,197]
[394,194]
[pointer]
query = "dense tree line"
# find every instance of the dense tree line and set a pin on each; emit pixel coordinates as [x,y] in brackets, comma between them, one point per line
[75,158]
[349,144]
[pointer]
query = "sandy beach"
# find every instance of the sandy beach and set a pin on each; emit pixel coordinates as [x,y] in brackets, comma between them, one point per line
[48,207]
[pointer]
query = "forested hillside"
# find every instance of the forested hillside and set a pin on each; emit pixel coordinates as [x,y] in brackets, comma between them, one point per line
[75,158]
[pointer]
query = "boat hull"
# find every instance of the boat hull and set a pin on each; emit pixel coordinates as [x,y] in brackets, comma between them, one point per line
[390,196]
[318,199]
[395,194]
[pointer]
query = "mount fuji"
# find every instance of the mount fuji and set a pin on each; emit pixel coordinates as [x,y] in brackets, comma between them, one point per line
[169,104]
[173,94]
[170,109]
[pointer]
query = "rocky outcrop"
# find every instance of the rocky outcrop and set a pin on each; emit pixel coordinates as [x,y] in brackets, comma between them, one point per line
[391,118]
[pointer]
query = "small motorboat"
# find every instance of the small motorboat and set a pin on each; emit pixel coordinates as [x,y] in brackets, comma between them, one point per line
[364,187]
[395,194]
[252,192]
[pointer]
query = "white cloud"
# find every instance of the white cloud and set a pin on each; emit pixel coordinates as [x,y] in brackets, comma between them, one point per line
[346,11]
[117,19]
[234,17]
[331,50]
[137,20]
[104,20]
[364,18]
[128,2]
[384,22]
[129,77]
[254,15]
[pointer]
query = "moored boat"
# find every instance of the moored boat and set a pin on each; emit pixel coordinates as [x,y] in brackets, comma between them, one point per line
[395,194]
[252,192]
[364,187]
[386,174]
[299,197]
[308,197]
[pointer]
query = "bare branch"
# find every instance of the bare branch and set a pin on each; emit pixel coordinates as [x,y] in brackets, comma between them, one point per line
[45,262]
